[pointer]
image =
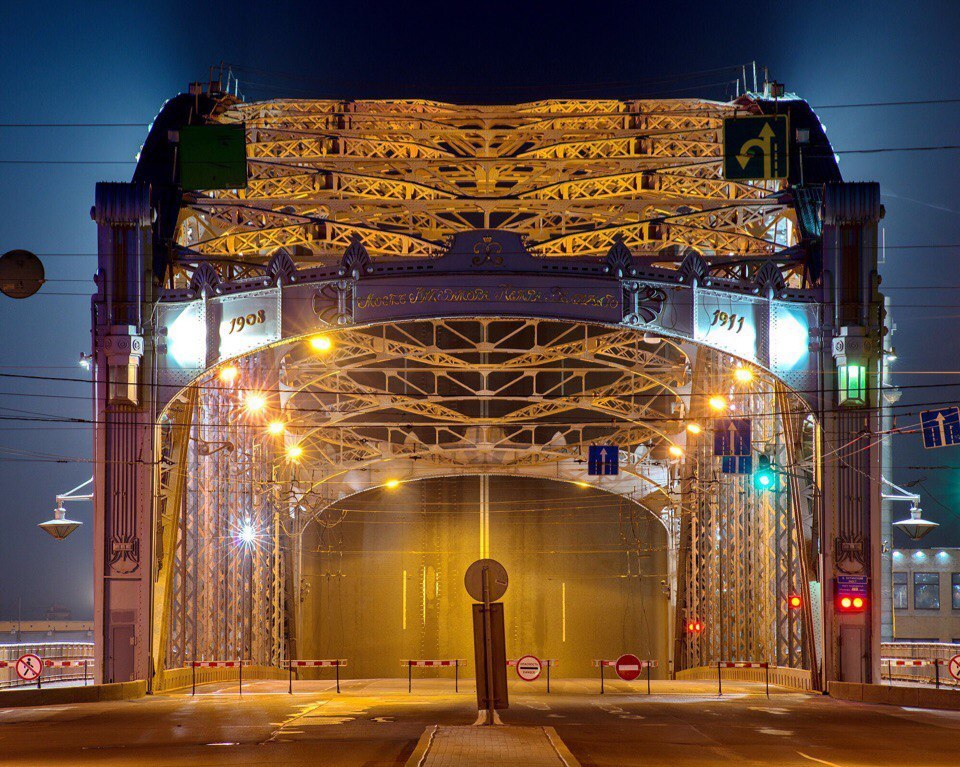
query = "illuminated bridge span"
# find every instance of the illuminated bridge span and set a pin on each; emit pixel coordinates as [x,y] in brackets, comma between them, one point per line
[326,392]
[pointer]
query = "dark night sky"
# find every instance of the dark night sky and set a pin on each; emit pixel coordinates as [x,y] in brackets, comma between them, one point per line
[117,62]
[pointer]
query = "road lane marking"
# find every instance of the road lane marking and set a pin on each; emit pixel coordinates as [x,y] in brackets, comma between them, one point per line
[821,761]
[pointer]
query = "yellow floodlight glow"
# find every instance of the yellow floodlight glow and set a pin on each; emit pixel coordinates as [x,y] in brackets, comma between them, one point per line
[694,428]
[321,343]
[582,484]
[294,452]
[229,374]
[254,402]
[717,402]
[675,451]
[743,375]
[276,428]
[390,484]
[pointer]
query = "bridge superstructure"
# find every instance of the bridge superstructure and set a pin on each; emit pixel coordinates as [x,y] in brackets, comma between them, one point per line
[411,289]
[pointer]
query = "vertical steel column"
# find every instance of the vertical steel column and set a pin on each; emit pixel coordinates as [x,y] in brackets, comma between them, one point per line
[123,436]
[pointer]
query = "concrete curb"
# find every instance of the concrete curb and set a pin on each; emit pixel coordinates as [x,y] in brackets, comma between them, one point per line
[911,697]
[422,747]
[561,748]
[94,693]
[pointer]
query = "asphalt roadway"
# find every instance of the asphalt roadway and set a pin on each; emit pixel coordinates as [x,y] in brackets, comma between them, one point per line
[376,722]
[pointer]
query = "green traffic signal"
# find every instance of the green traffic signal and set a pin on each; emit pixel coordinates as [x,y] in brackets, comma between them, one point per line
[764,478]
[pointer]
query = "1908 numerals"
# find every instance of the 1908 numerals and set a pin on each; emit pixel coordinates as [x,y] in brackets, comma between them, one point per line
[239,323]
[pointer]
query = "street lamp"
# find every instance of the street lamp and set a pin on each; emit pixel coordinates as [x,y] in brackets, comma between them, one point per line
[915,527]
[60,527]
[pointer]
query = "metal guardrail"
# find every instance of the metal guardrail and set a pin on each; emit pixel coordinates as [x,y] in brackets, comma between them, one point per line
[56,651]
[929,673]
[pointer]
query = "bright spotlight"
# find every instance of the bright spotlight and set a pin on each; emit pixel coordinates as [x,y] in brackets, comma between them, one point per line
[254,402]
[294,452]
[276,428]
[229,374]
[582,484]
[390,484]
[676,451]
[321,343]
[743,375]
[247,534]
[718,403]
[694,428]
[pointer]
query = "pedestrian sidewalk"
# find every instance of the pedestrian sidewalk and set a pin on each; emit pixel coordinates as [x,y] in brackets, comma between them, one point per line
[491,747]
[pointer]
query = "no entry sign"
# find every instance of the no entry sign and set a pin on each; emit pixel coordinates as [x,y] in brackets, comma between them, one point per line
[628,667]
[29,667]
[954,666]
[529,668]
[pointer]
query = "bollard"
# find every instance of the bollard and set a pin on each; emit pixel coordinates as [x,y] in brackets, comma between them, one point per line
[719,680]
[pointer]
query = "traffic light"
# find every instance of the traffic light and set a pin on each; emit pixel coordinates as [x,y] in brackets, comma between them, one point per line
[694,627]
[764,476]
[851,604]
[795,601]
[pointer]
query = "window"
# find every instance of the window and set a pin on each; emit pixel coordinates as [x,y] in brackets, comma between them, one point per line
[900,591]
[926,591]
[955,591]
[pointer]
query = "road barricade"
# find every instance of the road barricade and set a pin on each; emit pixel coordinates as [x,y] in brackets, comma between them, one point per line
[722,664]
[422,663]
[335,663]
[892,663]
[549,663]
[637,666]
[195,664]
[60,663]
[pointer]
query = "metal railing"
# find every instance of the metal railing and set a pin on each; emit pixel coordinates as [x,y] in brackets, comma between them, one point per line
[47,651]
[932,673]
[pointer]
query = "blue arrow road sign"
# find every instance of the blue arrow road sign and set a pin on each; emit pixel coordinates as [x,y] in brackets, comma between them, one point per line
[603,459]
[731,436]
[736,464]
[941,427]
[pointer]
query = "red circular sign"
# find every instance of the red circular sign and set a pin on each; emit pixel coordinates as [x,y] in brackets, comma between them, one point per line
[29,667]
[954,666]
[628,667]
[529,668]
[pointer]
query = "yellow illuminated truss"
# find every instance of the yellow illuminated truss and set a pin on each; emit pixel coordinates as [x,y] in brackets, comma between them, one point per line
[569,176]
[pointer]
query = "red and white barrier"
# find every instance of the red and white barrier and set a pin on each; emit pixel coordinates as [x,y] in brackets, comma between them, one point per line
[341,662]
[722,664]
[412,664]
[67,663]
[551,662]
[219,663]
[912,662]
[613,663]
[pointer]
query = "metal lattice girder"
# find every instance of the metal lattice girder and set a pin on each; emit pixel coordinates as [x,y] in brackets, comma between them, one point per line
[572,177]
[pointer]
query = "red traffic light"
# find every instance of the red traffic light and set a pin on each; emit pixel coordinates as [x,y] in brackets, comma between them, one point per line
[694,627]
[852,604]
[795,601]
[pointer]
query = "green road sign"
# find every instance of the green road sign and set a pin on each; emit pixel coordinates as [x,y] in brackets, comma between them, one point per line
[755,147]
[213,157]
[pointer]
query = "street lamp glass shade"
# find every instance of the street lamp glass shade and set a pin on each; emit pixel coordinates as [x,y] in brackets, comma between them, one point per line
[916,527]
[59,527]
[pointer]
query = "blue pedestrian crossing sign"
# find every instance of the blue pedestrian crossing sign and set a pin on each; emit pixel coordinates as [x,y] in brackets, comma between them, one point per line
[736,464]
[731,436]
[941,428]
[603,459]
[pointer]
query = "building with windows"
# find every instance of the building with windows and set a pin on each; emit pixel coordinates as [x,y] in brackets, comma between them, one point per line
[926,595]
